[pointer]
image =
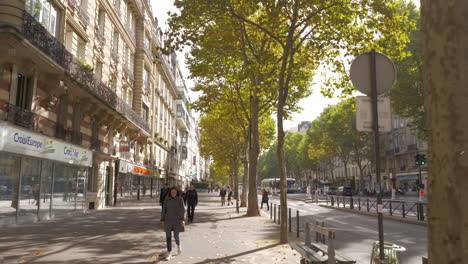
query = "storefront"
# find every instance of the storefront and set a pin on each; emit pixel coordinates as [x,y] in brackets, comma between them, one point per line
[135,182]
[408,182]
[40,176]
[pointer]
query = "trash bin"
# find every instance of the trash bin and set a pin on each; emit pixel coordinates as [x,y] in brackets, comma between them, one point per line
[391,253]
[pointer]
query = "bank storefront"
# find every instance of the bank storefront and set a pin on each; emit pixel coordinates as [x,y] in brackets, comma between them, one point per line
[135,182]
[407,182]
[40,176]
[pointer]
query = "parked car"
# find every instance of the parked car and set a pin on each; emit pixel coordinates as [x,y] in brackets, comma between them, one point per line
[332,190]
[345,191]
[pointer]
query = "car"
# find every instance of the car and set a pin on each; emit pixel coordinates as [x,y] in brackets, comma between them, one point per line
[345,191]
[332,190]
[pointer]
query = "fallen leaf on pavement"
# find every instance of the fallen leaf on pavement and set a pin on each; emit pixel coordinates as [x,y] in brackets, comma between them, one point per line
[38,253]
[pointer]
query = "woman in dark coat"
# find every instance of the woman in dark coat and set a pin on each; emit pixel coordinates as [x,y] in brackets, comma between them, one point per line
[172,218]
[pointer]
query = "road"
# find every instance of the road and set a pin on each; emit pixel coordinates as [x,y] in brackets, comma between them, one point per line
[355,233]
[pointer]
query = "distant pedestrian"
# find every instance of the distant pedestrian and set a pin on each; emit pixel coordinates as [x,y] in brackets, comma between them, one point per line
[172,219]
[163,194]
[265,199]
[192,202]
[222,193]
[229,192]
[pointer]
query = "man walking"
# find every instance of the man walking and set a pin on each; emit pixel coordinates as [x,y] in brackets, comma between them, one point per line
[222,193]
[192,201]
[163,194]
[265,199]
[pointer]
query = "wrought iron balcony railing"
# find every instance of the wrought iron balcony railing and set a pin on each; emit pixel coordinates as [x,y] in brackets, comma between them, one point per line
[20,116]
[41,38]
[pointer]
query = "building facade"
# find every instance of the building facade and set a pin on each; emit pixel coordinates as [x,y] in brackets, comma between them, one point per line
[87,97]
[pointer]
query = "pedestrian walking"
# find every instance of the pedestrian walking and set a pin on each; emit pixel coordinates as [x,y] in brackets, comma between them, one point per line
[229,192]
[192,202]
[222,193]
[172,219]
[265,199]
[163,194]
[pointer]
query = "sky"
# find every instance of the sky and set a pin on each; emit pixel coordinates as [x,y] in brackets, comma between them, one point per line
[311,106]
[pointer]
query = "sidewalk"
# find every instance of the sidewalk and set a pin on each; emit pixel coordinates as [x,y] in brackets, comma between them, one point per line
[133,234]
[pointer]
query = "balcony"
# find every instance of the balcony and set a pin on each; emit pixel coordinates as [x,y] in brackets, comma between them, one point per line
[49,45]
[20,116]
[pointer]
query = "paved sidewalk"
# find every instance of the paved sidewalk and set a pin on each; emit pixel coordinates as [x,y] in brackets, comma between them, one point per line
[133,234]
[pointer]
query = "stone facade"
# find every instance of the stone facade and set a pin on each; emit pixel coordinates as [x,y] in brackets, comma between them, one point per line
[91,73]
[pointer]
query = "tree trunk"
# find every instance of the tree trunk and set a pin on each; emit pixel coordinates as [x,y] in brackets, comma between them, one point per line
[245,180]
[445,62]
[282,169]
[254,149]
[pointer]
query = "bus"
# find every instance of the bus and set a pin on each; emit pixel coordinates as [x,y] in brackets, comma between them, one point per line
[273,185]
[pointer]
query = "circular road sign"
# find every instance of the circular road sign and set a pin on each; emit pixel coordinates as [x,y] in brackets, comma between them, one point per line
[360,73]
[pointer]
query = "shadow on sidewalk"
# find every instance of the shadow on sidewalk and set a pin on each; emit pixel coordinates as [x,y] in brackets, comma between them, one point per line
[232,258]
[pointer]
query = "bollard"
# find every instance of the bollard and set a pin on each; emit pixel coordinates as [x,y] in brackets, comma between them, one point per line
[297,219]
[367,204]
[274,219]
[332,201]
[391,212]
[359,204]
[351,205]
[403,213]
[279,214]
[290,224]
[271,211]
[418,212]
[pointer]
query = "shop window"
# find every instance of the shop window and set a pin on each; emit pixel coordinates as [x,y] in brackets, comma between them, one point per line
[45,13]
[29,192]
[64,188]
[9,186]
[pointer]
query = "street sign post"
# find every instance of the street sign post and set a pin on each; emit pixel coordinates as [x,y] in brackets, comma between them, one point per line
[364,114]
[373,74]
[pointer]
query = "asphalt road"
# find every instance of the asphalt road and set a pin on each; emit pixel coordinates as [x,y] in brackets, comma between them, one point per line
[355,233]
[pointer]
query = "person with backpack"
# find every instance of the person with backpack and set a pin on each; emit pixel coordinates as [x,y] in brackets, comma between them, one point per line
[192,201]
[172,219]
[222,193]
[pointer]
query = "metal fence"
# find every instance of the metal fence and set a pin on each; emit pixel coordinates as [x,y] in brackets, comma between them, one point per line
[398,208]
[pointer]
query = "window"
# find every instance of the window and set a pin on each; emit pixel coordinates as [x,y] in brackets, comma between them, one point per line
[69,41]
[45,13]
[129,97]
[144,112]
[81,51]
[115,43]
[24,92]
[98,71]
[147,42]
[117,6]
[146,82]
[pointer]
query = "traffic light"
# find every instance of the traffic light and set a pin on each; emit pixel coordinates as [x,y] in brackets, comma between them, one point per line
[420,159]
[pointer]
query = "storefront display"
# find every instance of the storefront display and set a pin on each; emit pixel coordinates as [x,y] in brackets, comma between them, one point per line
[39,176]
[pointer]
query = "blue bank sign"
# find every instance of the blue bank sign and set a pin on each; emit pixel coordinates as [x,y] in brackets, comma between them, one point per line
[19,141]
